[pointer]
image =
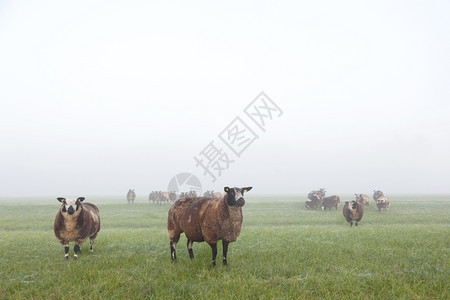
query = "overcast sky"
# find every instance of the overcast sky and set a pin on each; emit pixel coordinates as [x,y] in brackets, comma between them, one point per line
[101,96]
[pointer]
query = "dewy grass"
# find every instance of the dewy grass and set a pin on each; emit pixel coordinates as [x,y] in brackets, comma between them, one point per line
[283,252]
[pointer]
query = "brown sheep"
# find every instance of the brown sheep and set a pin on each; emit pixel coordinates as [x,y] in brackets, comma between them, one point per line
[331,201]
[353,211]
[315,198]
[131,195]
[381,200]
[383,203]
[207,219]
[363,199]
[377,194]
[76,221]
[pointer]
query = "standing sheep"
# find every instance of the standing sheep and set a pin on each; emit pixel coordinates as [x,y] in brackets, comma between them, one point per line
[76,221]
[363,199]
[131,195]
[381,200]
[207,219]
[331,201]
[383,203]
[353,211]
[377,194]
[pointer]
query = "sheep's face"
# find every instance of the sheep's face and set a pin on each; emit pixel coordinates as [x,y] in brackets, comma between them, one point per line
[353,204]
[235,196]
[71,206]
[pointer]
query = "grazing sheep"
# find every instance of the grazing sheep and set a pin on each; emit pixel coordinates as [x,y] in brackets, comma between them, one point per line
[207,219]
[353,211]
[131,195]
[76,221]
[331,201]
[362,199]
[315,198]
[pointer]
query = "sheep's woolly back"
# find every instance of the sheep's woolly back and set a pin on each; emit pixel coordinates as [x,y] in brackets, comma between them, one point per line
[205,219]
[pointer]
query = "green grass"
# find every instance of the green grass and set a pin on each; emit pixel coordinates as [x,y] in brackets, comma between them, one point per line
[284,252]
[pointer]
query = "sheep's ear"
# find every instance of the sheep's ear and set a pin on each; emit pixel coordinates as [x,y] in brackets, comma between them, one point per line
[61,199]
[246,189]
[80,199]
[226,189]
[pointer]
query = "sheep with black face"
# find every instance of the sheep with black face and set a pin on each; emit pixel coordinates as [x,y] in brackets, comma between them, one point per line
[353,212]
[207,219]
[76,221]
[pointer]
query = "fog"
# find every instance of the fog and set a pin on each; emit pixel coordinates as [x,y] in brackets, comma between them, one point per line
[100,97]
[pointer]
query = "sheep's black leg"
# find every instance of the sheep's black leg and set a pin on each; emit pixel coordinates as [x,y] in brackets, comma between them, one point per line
[91,247]
[66,251]
[189,247]
[214,254]
[356,223]
[351,223]
[173,246]
[225,251]
[76,249]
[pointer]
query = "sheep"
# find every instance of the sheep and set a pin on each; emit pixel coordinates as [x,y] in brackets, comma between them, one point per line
[131,195]
[207,219]
[353,211]
[212,194]
[216,195]
[381,200]
[315,198]
[377,194]
[363,199]
[76,221]
[162,197]
[331,201]
[208,194]
[152,197]
[383,203]
[172,196]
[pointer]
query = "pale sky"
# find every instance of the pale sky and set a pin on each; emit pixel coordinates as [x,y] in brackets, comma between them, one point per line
[98,97]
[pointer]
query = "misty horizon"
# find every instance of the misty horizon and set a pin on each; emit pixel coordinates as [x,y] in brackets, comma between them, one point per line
[101,98]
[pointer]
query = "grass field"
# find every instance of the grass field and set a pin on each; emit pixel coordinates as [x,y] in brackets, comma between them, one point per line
[284,252]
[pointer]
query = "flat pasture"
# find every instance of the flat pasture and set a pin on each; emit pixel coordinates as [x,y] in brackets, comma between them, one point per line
[283,252]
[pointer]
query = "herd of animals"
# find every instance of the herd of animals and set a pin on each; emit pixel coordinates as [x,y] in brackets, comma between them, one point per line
[160,197]
[210,218]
